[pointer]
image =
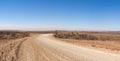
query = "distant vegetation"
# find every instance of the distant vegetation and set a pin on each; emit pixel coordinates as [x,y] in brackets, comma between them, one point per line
[13,35]
[88,35]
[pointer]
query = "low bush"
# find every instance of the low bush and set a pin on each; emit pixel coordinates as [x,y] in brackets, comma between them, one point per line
[87,35]
[13,35]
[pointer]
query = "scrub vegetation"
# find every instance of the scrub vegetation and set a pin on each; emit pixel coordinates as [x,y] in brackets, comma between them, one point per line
[89,35]
[10,43]
[104,40]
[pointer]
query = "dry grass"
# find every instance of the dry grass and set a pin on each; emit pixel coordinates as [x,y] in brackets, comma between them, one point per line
[10,43]
[9,49]
[13,35]
[88,36]
[109,45]
[109,41]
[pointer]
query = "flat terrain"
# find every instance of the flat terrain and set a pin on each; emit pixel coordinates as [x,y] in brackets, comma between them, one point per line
[46,48]
[111,46]
[109,41]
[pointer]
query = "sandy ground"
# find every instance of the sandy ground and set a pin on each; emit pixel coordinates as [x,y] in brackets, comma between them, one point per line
[9,49]
[110,46]
[45,48]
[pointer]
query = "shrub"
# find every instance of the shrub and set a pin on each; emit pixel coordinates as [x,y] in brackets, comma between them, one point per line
[88,35]
[13,35]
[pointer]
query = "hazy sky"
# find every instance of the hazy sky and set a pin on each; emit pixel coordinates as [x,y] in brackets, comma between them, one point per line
[77,14]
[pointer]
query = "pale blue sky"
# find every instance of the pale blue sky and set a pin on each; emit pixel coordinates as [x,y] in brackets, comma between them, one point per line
[78,14]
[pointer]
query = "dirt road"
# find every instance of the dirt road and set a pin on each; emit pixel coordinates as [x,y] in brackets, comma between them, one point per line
[45,48]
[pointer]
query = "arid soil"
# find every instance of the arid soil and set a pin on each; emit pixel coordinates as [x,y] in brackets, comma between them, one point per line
[113,46]
[44,47]
[9,49]
[101,40]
